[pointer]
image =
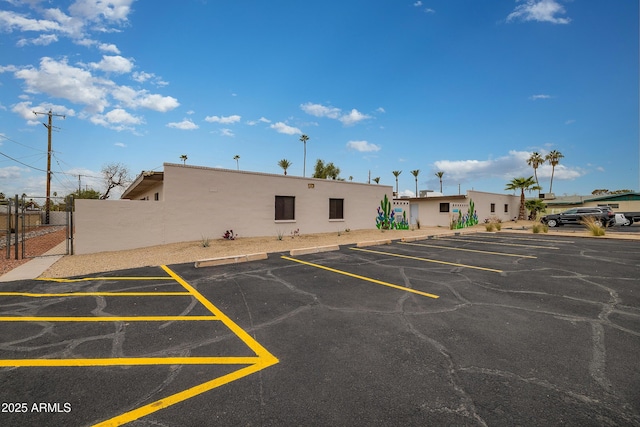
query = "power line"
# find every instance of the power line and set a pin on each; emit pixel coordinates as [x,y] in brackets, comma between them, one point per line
[19,143]
[23,164]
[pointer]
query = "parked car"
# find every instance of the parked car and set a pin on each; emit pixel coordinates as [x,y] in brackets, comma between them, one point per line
[604,216]
[622,220]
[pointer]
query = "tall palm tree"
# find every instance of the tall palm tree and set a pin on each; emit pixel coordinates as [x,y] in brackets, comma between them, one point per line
[284,164]
[553,158]
[522,184]
[236,158]
[304,138]
[396,174]
[415,175]
[376,180]
[535,161]
[184,159]
[439,174]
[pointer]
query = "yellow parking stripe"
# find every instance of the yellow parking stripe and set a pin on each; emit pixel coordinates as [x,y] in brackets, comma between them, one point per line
[264,360]
[184,395]
[428,260]
[497,243]
[95,294]
[108,319]
[467,250]
[368,279]
[129,361]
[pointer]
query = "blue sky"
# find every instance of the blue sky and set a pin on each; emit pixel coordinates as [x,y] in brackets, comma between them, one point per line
[467,87]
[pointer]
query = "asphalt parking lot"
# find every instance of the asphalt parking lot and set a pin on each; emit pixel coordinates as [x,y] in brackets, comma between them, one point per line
[484,329]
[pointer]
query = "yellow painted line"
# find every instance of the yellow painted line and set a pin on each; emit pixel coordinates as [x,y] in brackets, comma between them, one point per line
[467,250]
[534,239]
[429,260]
[108,319]
[497,243]
[91,279]
[219,315]
[368,279]
[264,360]
[130,361]
[95,294]
[184,395]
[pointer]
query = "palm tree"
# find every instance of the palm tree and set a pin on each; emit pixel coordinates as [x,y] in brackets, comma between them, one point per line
[350,178]
[415,174]
[535,161]
[553,158]
[184,159]
[376,180]
[284,164]
[439,175]
[535,206]
[396,174]
[522,184]
[236,158]
[304,138]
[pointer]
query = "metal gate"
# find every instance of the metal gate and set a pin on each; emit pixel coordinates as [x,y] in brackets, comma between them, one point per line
[37,226]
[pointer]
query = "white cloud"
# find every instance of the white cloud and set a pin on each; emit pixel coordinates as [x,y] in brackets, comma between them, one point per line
[418,3]
[260,120]
[429,10]
[319,110]
[540,11]
[117,119]
[380,110]
[10,173]
[11,21]
[109,48]
[58,79]
[43,40]
[506,167]
[223,120]
[114,64]
[569,122]
[353,117]
[284,128]
[539,96]
[362,146]
[186,124]
[227,132]
[120,144]
[97,10]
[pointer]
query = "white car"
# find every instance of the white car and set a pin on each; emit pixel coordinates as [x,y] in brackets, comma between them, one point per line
[621,220]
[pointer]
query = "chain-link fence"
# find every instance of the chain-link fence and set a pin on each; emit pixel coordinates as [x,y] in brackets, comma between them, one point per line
[36,226]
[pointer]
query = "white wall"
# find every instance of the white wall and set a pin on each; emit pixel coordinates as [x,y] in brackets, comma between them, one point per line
[200,201]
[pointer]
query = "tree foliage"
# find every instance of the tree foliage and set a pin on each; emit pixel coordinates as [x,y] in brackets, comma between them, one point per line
[326,171]
[522,184]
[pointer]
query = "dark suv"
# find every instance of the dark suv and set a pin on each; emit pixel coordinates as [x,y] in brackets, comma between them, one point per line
[602,215]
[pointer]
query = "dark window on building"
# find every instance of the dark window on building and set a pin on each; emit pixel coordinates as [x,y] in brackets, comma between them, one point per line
[493,207]
[156,196]
[336,208]
[444,207]
[506,208]
[285,208]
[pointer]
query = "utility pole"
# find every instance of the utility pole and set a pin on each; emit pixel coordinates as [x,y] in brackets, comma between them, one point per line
[49,127]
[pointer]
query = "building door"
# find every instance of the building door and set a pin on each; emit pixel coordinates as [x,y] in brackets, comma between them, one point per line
[413,214]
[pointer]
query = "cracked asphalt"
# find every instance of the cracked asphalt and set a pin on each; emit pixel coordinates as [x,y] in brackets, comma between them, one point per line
[474,330]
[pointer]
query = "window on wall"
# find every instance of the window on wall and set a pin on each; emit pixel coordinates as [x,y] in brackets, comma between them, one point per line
[493,208]
[156,196]
[444,207]
[285,208]
[336,208]
[506,208]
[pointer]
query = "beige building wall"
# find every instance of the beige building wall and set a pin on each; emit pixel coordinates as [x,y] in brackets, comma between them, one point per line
[201,202]
[429,214]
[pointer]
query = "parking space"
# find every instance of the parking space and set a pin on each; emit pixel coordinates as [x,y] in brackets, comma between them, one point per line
[484,329]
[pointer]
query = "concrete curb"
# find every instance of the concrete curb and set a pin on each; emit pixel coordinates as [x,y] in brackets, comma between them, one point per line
[233,259]
[314,250]
[373,243]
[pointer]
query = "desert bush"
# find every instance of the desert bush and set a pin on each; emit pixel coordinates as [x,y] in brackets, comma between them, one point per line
[205,242]
[489,226]
[594,226]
